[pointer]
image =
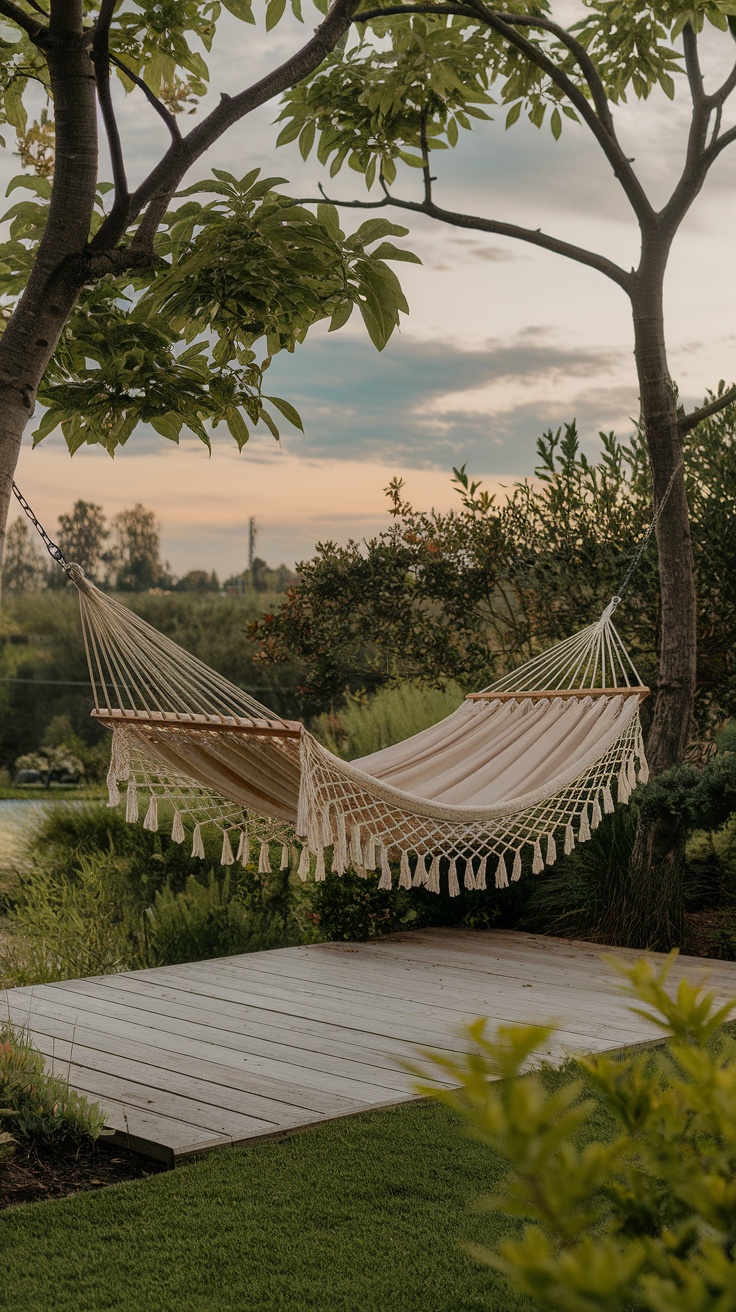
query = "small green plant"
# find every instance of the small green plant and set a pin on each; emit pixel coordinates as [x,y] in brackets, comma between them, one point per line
[68,928]
[642,1219]
[39,1110]
[207,920]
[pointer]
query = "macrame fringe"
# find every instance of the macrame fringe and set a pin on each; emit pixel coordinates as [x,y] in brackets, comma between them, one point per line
[285,857]
[226,856]
[320,874]
[502,879]
[356,848]
[551,856]
[480,877]
[369,854]
[131,802]
[264,859]
[197,844]
[597,817]
[385,880]
[433,882]
[151,821]
[469,876]
[177,829]
[243,852]
[607,800]
[404,871]
[340,857]
[537,863]
[453,886]
[421,873]
[569,839]
[303,867]
[516,872]
[584,829]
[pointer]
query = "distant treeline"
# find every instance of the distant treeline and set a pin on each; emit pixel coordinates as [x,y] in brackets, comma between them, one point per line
[45,696]
[120,555]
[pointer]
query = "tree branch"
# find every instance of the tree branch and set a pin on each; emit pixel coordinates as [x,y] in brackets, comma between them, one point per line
[688,422]
[101,65]
[426,172]
[30,26]
[163,113]
[534,237]
[578,51]
[692,67]
[716,147]
[695,168]
[156,191]
[724,91]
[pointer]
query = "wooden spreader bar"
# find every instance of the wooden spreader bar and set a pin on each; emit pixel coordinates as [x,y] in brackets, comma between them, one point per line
[541,693]
[183,720]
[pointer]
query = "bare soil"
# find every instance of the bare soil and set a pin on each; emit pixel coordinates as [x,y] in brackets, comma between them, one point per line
[31,1176]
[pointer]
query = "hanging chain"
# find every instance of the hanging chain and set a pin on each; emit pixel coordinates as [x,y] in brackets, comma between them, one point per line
[637,557]
[54,551]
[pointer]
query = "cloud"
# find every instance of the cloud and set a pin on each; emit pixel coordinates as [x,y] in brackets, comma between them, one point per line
[430,404]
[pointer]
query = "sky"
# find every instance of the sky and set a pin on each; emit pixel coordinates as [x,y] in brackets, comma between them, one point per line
[502,341]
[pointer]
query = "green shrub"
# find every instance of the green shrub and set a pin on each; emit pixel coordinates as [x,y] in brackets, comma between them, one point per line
[207,920]
[367,724]
[633,1216]
[36,1109]
[68,928]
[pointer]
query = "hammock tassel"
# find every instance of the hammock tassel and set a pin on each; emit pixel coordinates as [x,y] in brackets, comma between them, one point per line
[131,802]
[243,852]
[151,821]
[607,800]
[285,857]
[320,874]
[624,792]
[631,774]
[113,792]
[433,883]
[327,838]
[197,844]
[469,878]
[516,872]
[356,847]
[597,817]
[453,887]
[569,839]
[404,871]
[643,770]
[177,829]
[537,863]
[303,867]
[502,879]
[385,880]
[480,878]
[264,859]
[421,874]
[584,830]
[369,855]
[226,856]
[340,860]
[551,856]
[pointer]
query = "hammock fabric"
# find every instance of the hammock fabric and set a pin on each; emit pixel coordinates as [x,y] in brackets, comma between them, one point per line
[532,762]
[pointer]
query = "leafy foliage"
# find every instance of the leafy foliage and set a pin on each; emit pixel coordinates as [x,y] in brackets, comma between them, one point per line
[37,1109]
[643,1219]
[174,345]
[466,594]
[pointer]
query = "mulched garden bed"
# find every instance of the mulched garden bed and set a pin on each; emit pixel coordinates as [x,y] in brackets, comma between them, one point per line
[711,933]
[30,1176]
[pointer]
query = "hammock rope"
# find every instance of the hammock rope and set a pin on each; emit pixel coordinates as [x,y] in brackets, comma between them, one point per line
[523,770]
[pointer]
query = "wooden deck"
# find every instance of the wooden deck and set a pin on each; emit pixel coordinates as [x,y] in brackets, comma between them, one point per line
[194,1057]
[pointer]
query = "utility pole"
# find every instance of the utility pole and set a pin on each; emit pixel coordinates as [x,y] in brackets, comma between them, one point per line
[252,530]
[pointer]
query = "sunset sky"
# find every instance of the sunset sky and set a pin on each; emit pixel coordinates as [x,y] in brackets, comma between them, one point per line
[502,341]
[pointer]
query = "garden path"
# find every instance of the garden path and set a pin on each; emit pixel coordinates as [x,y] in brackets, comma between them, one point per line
[193,1057]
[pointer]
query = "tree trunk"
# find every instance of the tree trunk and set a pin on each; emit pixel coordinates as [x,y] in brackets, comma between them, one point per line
[59,270]
[648,910]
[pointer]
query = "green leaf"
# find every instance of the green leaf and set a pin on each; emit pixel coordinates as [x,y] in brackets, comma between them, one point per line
[513,114]
[237,427]
[274,13]
[555,123]
[240,9]
[287,411]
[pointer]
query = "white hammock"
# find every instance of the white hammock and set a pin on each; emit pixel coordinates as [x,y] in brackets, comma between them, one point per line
[532,761]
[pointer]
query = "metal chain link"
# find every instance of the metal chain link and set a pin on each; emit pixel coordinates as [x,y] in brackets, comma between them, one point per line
[54,551]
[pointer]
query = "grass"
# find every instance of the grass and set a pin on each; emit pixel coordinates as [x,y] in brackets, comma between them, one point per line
[54,793]
[362,1215]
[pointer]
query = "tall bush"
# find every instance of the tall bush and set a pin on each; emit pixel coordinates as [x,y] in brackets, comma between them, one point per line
[629,1211]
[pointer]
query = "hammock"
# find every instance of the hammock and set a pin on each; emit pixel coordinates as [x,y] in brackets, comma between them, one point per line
[530,763]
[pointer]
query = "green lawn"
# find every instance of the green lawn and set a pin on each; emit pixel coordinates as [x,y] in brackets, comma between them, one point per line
[362,1215]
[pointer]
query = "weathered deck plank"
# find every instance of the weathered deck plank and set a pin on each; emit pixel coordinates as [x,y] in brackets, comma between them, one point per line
[193,1057]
